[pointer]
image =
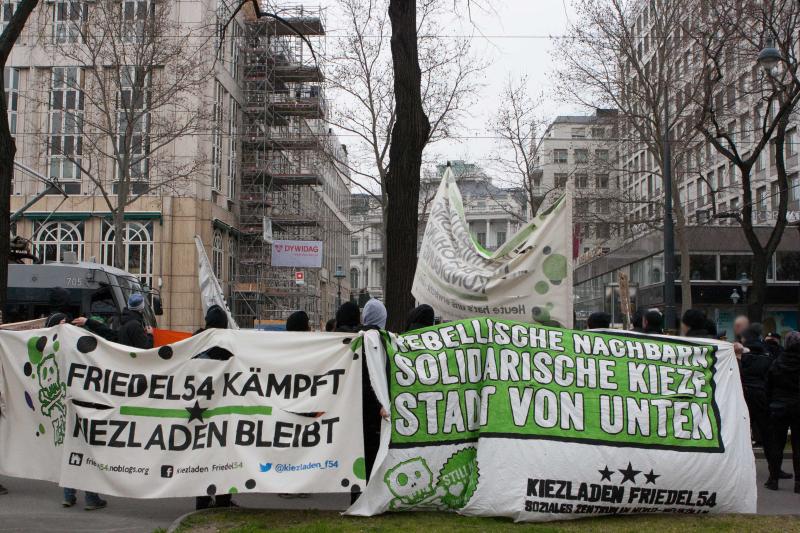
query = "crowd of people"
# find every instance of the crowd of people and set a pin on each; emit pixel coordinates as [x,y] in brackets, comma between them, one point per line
[769,367]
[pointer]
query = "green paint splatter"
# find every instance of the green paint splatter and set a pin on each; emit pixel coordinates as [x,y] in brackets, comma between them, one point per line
[555,267]
[541,315]
[56,346]
[360,468]
[132,355]
[233,490]
[34,354]
[542,287]
[41,429]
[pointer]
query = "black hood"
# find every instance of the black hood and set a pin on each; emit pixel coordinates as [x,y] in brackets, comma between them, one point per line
[129,316]
[421,316]
[216,318]
[789,360]
[348,317]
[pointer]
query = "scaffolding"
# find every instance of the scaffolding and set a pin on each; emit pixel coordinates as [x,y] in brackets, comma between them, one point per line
[284,158]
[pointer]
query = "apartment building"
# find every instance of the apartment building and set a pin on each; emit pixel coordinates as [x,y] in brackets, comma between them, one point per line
[709,187]
[581,150]
[494,214]
[190,183]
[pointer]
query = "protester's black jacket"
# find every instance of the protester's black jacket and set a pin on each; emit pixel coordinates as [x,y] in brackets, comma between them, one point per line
[131,331]
[699,333]
[755,365]
[783,381]
[774,349]
[102,330]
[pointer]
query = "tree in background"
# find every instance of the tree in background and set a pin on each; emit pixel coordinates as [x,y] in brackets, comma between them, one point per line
[361,73]
[8,148]
[609,63]
[743,111]
[135,86]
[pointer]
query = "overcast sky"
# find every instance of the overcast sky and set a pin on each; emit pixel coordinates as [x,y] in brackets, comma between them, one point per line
[515,40]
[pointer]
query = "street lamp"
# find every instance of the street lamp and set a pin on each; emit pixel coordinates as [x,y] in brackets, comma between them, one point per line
[735,297]
[743,282]
[339,275]
[769,57]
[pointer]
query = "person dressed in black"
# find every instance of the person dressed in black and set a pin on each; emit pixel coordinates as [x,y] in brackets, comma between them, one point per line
[637,321]
[348,320]
[59,308]
[783,395]
[772,341]
[653,322]
[599,320]
[420,317]
[216,318]
[330,325]
[695,324]
[298,321]
[755,365]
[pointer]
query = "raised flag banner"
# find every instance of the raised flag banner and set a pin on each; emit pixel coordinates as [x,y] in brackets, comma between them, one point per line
[498,418]
[222,412]
[528,278]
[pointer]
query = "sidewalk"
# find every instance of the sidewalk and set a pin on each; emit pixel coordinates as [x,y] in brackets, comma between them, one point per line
[35,506]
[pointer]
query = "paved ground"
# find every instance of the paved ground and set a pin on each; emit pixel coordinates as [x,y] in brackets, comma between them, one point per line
[36,506]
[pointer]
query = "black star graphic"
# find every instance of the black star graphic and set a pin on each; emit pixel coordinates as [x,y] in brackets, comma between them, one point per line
[651,477]
[196,412]
[605,473]
[629,474]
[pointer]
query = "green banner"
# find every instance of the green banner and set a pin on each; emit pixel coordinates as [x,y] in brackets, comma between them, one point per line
[476,378]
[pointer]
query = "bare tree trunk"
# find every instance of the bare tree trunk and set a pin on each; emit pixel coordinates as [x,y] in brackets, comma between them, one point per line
[8,148]
[683,248]
[409,136]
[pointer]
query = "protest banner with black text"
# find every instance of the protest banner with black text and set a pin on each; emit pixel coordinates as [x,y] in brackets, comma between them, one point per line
[493,417]
[222,412]
[528,277]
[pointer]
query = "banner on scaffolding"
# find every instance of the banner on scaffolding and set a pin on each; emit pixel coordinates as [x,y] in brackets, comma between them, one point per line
[297,254]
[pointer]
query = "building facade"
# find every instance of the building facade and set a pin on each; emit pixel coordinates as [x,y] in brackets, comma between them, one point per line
[192,184]
[494,214]
[580,151]
[709,192]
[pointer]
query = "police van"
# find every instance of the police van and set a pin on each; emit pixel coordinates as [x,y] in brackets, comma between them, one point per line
[95,290]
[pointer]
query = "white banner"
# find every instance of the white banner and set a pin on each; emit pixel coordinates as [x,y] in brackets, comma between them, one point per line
[222,412]
[495,418]
[297,254]
[529,278]
[210,290]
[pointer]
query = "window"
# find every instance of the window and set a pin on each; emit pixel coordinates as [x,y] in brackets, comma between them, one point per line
[353,278]
[731,267]
[761,199]
[66,123]
[788,264]
[601,181]
[134,19]
[560,180]
[702,267]
[217,254]
[581,155]
[233,142]
[581,181]
[133,126]
[68,17]
[354,247]
[603,230]
[598,133]
[216,137]
[11,82]
[6,12]
[791,142]
[794,191]
[581,205]
[481,238]
[603,206]
[501,238]
[774,195]
[560,156]
[233,254]
[138,242]
[578,133]
[601,155]
[52,239]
